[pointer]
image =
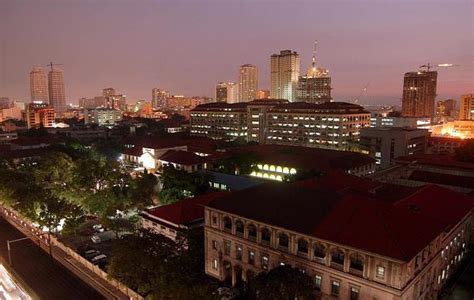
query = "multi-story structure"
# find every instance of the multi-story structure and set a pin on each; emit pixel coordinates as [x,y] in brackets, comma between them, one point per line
[419,92]
[315,86]
[377,243]
[445,108]
[5,102]
[39,85]
[409,122]
[227,92]
[466,107]
[57,94]
[158,98]
[334,125]
[385,144]
[284,72]
[248,83]
[102,116]
[263,94]
[113,100]
[39,114]
[90,103]
[330,125]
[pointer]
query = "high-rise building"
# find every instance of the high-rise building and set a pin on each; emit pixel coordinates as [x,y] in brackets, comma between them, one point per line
[5,102]
[57,95]
[315,86]
[39,114]
[284,71]
[263,94]
[39,85]
[419,92]
[445,108]
[158,98]
[112,100]
[227,92]
[248,83]
[466,107]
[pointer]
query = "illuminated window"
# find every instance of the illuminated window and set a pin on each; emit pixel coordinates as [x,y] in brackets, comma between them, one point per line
[317,282]
[286,170]
[335,286]
[380,272]
[215,264]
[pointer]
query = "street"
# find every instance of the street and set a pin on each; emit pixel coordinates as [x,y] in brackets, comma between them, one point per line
[47,278]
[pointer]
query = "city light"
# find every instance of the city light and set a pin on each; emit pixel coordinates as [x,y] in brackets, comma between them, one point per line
[9,288]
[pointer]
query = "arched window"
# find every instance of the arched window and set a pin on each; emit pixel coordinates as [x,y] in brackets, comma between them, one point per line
[283,240]
[278,169]
[239,228]
[227,224]
[337,257]
[252,230]
[286,170]
[319,251]
[357,262]
[302,247]
[266,236]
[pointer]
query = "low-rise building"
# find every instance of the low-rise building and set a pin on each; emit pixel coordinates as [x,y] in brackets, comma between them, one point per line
[102,116]
[410,122]
[6,137]
[39,114]
[384,144]
[184,160]
[355,245]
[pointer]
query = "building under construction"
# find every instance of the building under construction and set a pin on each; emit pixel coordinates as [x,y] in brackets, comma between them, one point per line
[419,92]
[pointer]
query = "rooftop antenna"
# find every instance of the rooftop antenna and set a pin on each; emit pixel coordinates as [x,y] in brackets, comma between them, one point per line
[51,64]
[314,55]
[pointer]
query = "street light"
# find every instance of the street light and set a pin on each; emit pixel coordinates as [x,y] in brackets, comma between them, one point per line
[22,239]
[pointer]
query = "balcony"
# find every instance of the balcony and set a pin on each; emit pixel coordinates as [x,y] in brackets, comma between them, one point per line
[356,271]
[320,260]
[265,242]
[252,238]
[239,233]
[283,248]
[337,265]
[302,254]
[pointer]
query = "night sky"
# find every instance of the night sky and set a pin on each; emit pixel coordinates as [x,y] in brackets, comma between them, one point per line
[188,46]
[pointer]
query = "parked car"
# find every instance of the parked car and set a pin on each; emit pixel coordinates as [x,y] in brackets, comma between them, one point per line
[96,239]
[98,258]
[98,228]
[91,253]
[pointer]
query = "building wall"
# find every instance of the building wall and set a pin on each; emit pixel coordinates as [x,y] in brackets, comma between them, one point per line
[248,83]
[39,85]
[284,73]
[466,107]
[314,89]
[57,94]
[419,92]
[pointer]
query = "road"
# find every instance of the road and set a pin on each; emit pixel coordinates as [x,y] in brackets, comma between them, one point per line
[47,278]
[462,284]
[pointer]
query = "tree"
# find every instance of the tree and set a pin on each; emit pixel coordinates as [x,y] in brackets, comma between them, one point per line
[55,172]
[143,191]
[239,164]
[282,283]
[302,174]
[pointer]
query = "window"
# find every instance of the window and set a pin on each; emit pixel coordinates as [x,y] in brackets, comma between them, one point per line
[251,257]
[238,252]
[283,240]
[335,286]
[227,247]
[319,251]
[252,232]
[380,272]
[239,228]
[227,224]
[214,220]
[214,245]
[264,262]
[317,282]
[266,236]
[214,264]
[338,257]
[302,247]
[354,293]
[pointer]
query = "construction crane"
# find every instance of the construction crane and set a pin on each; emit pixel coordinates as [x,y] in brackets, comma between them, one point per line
[51,64]
[362,93]
[428,66]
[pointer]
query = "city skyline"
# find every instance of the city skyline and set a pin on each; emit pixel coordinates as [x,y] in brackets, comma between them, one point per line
[368,40]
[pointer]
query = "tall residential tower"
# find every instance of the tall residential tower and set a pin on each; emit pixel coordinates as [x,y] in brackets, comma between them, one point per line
[248,83]
[39,85]
[284,71]
[57,96]
[227,92]
[419,92]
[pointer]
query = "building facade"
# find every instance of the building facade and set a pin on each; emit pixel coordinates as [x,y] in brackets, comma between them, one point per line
[102,116]
[445,108]
[39,85]
[158,98]
[387,143]
[40,114]
[347,257]
[248,83]
[419,93]
[284,73]
[409,122]
[466,107]
[263,94]
[57,93]
[227,92]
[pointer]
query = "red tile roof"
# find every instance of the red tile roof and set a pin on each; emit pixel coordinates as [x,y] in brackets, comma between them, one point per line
[439,178]
[183,158]
[185,211]
[440,160]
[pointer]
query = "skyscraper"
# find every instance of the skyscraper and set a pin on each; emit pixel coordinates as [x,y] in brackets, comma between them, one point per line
[284,71]
[315,86]
[57,96]
[466,107]
[248,83]
[112,100]
[227,92]
[419,92]
[445,108]
[158,98]
[39,85]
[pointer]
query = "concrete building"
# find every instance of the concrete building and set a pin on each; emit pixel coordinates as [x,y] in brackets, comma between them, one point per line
[90,103]
[419,92]
[263,94]
[409,122]
[248,83]
[158,98]
[387,143]
[445,108]
[227,92]
[315,86]
[184,160]
[334,125]
[284,73]
[39,85]
[5,102]
[102,116]
[112,100]
[466,107]
[40,114]
[57,93]
[363,245]
[13,112]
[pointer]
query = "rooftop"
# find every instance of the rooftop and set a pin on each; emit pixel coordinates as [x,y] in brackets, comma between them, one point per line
[439,160]
[183,158]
